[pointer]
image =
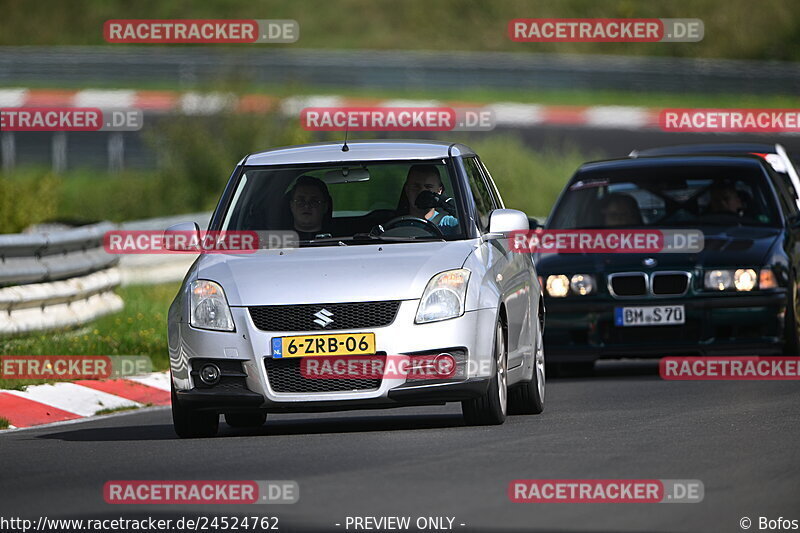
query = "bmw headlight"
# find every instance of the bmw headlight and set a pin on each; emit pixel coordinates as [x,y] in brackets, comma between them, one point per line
[745,279]
[741,279]
[557,286]
[719,280]
[582,284]
[209,307]
[444,297]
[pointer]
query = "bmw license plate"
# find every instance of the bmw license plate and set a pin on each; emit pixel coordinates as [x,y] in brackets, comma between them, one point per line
[654,315]
[320,345]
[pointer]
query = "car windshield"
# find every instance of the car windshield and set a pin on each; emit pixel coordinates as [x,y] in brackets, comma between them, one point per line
[396,201]
[667,196]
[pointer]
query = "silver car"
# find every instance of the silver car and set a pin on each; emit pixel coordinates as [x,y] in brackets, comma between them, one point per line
[389,251]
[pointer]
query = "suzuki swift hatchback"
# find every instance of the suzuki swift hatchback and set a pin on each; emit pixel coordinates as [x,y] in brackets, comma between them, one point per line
[401,256]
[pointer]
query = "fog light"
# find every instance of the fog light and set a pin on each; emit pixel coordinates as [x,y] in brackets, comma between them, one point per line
[210,374]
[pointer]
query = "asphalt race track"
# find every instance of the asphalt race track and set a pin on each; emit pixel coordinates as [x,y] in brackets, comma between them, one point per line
[738,438]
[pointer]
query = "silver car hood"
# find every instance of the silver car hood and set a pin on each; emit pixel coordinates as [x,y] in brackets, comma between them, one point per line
[331,274]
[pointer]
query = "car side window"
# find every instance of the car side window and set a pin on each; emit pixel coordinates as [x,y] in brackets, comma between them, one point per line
[498,200]
[483,199]
[786,196]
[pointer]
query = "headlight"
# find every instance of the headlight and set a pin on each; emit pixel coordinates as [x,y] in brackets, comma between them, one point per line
[741,279]
[719,280]
[444,297]
[557,285]
[582,284]
[744,279]
[209,307]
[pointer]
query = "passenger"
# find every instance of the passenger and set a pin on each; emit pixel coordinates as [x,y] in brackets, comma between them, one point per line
[620,210]
[311,206]
[425,178]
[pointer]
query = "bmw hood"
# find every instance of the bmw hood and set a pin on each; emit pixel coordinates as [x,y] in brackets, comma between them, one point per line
[744,246]
[331,274]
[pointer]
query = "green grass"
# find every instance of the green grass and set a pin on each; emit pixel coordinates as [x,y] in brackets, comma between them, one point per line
[735,29]
[139,329]
[112,410]
[4,423]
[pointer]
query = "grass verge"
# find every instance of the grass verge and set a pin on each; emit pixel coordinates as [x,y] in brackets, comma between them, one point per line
[139,329]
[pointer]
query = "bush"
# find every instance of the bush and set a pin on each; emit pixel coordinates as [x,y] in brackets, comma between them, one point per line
[528,180]
[199,153]
[27,198]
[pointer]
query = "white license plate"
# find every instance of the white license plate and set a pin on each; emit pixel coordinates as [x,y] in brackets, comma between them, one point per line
[654,315]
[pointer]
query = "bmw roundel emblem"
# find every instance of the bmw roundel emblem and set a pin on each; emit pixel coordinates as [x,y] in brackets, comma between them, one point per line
[649,262]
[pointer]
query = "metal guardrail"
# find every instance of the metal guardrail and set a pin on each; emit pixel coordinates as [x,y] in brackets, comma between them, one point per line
[56,279]
[185,67]
[41,257]
[63,278]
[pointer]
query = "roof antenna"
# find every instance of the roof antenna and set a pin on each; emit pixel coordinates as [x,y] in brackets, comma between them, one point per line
[345,148]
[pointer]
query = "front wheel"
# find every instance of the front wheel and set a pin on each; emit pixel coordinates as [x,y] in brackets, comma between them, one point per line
[490,409]
[528,398]
[189,423]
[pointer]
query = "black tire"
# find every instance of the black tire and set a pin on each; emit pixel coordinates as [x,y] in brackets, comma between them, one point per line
[528,398]
[189,423]
[491,408]
[791,339]
[245,420]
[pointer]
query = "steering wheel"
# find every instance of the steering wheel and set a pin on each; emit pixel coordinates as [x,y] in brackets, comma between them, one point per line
[414,222]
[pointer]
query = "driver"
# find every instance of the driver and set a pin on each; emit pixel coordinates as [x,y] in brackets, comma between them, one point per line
[725,200]
[425,178]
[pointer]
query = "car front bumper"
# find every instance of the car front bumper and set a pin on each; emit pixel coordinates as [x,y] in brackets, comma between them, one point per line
[583,331]
[469,337]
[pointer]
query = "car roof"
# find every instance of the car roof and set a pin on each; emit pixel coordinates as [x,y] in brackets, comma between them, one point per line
[672,160]
[358,150]
[720,148]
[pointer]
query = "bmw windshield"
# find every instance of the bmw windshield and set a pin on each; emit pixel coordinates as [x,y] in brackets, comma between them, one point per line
[687,196]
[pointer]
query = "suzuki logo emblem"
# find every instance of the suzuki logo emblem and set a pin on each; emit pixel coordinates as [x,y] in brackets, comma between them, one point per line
[323,317]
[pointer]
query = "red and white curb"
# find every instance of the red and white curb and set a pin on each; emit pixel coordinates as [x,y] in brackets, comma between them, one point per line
[194,103]
[58,402]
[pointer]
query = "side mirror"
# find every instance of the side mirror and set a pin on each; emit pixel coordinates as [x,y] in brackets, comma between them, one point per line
[504,221]
[183,237]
